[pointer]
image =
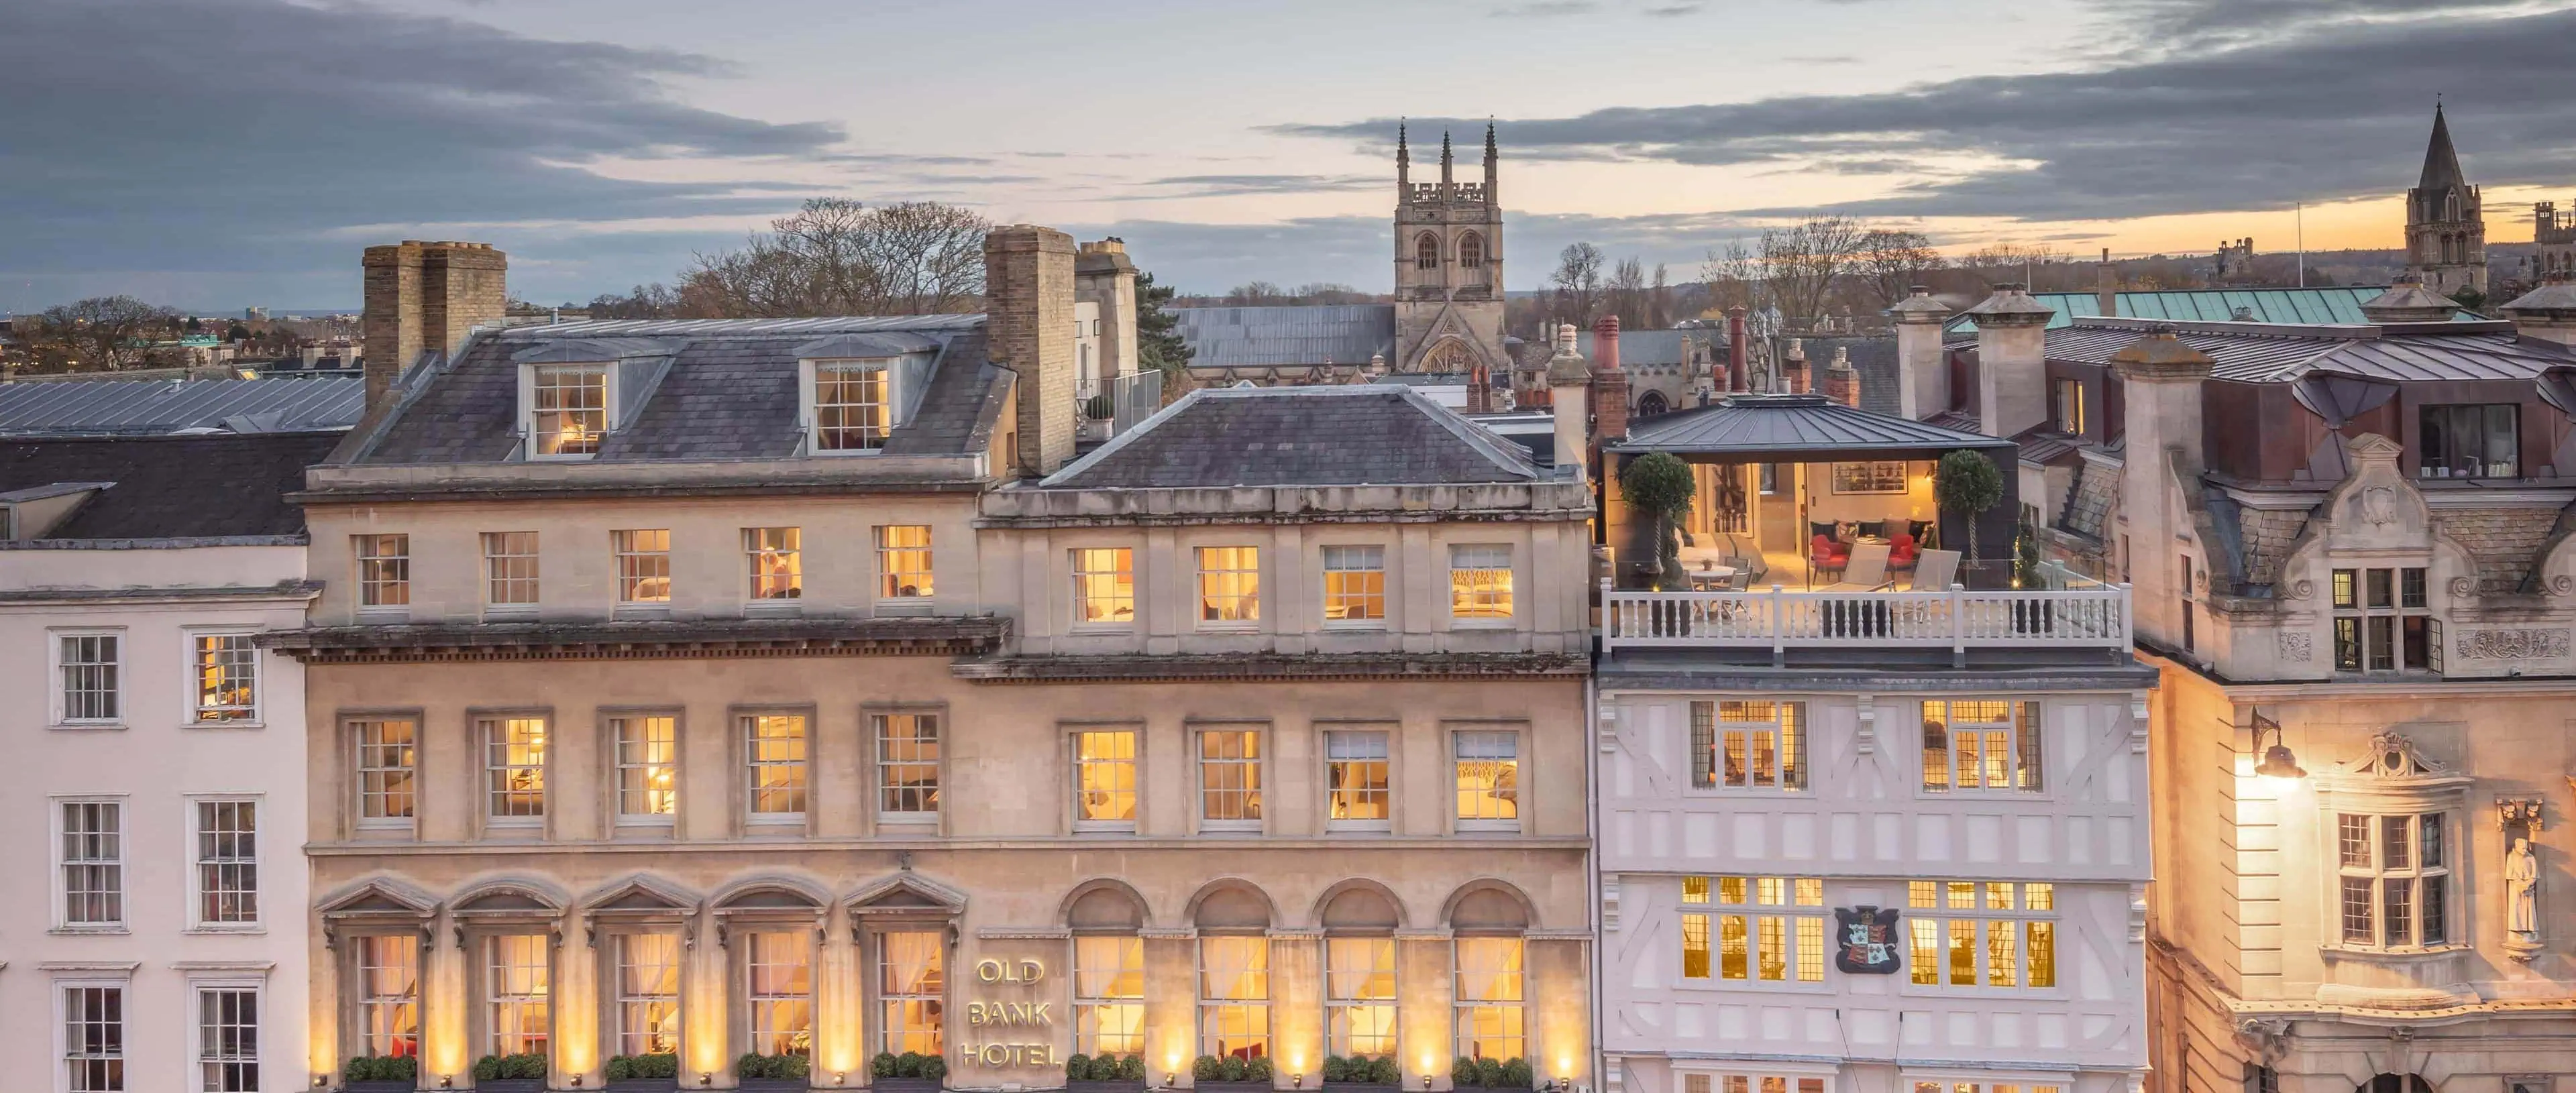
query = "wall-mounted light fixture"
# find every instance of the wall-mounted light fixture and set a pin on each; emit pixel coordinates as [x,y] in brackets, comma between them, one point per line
[2278,761]
[576,1081]
[447,1081]
[321,1081]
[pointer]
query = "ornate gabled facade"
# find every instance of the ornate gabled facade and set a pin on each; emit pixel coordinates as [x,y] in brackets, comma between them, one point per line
[1448,267]
[2446,228]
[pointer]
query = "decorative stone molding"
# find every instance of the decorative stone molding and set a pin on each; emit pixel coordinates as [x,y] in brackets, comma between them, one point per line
[1606,730]
[2464,587]
[2138,721]
[1609,902]
[2296,646]
[2301,589]
[1866,738]
[2541,643]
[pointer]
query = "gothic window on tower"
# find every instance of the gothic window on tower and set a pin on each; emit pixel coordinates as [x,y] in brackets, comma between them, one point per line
[1471,251]
[1426,251]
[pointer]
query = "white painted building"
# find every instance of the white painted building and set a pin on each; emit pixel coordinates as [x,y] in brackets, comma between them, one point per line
[1855,838]
[152,936]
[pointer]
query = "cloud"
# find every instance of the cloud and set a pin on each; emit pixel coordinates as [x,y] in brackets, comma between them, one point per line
[1545,9]
[1670,11]
[128,156]
[1228,185]
[2336,110]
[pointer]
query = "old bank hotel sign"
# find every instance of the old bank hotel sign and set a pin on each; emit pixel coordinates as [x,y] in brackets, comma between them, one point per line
[1010,1024]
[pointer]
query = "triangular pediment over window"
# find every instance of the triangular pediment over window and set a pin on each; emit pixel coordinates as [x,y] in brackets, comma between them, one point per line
[907,893]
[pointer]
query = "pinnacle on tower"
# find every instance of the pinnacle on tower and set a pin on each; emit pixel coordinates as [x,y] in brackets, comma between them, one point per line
[1403,162]
[1444,159]
[1490,159]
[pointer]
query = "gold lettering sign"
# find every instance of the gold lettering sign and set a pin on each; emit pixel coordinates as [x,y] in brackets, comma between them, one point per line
[984,1013]
[1009,971]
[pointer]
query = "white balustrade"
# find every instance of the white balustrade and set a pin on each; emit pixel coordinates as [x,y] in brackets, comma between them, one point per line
[1781,619]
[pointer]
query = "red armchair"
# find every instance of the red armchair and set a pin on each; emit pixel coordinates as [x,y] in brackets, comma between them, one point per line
[1901,551]
[1826,554]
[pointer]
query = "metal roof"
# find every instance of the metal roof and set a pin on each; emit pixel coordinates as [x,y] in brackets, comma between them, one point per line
[2340,304]
[1268,336]
[1353,434]
[156,407]
[2249,353]
[645,328]
[1756,425]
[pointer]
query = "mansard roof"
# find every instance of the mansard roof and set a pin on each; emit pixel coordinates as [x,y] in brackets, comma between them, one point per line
[1265,336]
[1361,434]
[2281,353]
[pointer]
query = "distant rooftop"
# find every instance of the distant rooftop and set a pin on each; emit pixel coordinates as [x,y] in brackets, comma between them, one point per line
[1358,434]
[153,407]
[2339,304]
[1266,336]
[2254,353]
[1809,426]
[170,487]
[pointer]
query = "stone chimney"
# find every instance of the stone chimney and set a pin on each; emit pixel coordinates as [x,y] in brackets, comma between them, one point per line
[2408,301]
[424,297]
[2547,312]
[1793,370]
[1922,369]
[1609,383]
[2106,286]
[1568,384]
[1103,275]
[1842,381]
[1028,328]
[1738,344]
[2012,376]
[2161,379]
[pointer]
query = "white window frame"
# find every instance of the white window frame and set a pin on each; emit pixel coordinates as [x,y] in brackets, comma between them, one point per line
[2022,780]
[61,987]
[198,863]
[810,406]
[490,948]
[1080,578]
[58,682]
[893,996]
[366,586]
[755,551]
[1458,738]
[1786,732]
[1350,554]
[1085,1002]
[620,999]
[1134,762]
[1386,756]
[1716,1075]
[1981,914]
[889,588]
[358,1003]
[1336,1003]
[629,550]
[198,1059]
[120,862]
[1796,903]
[494,562]
[1245,602]
[354,730]
[491,732]
[1249,795]
[620,763]
[1264,1006]
[808,949]
[746,728]
[248,713]
[1510,598]
[1460,1006]
[530,379]
[927,726]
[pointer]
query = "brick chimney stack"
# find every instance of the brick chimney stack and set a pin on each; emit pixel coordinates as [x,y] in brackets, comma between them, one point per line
[1609,383]
[1568,381]
[1842,381]
[1737,345]
[1793,369]
[1028,328]
[425,297]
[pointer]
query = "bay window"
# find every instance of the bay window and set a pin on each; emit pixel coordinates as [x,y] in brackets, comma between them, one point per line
[1992,934]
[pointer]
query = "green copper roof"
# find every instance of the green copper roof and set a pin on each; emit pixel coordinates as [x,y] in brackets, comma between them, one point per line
[2341,304]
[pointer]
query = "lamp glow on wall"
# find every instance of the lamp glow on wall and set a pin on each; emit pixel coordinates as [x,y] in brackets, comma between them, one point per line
[2279,764]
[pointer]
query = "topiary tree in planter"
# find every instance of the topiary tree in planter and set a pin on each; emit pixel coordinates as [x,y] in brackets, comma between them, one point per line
[1967,482]
[1660,485]
[2026,554]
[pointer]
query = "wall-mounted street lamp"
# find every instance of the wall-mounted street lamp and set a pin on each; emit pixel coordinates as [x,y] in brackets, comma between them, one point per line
[2278,762]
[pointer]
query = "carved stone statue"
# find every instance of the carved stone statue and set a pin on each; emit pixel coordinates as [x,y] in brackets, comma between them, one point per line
[2522,891]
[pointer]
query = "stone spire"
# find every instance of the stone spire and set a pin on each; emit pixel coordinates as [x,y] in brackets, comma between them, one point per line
[1444,162]
[2441,161]
[1403,164]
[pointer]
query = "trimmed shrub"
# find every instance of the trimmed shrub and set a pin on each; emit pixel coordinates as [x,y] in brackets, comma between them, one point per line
[1462,1073]
[1516,1074]
[1336,1069]
[773,1066]
[908,1065]
[1131,1068]
[1232,1068]
[624,1067]
[1206,1068]
[1384,1071]
[381,1068]
[491,1067]
[881,1065]
[1260,1069]
[934,1067]
[1077,1068]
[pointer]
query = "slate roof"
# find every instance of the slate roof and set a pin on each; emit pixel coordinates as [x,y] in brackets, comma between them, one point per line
[153,407]
[1755,425]
[1358,434]
[172,486]
[1264,336]
[729,393]
[2253,353]
[2341,304]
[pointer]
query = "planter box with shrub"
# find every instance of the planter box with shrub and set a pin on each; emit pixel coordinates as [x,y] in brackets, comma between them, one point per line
[1469,1073]
[1361,1074]
[774,1073]
[910,1072]
[1232,1074]
[643,1073]
[380,1075]
[510,1074]
[1105,1074]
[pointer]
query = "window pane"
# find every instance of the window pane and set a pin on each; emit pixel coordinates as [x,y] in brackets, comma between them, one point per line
[1229,584]
[227,862]
[2352,840]
[852,410]
[388,991]
[570,405]
[384,570]
[2356,905]
[2436,894]
[385,757]
[907,764]
[643,565]
[509,568]
[776,558]
[903,561]
[93,863]
[1354,583]
[1230,775]
[1104,585]
[2430,825]
[775,757]
[89,669]
[227,672]
[516,987]
[648,757]
[514,761]
[2396,842]
[648,994]
[1105,776]
[1936,746]
[1356,775]
[1488,780]
[2398,910]
[228,1040]
[910,992]
[1480,582]
[779,992]
[1694,946]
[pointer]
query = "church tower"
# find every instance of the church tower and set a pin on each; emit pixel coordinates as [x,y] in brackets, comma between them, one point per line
[1448,267]
[2446,234]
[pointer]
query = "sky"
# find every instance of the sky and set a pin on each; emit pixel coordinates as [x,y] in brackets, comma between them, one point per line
[217,154]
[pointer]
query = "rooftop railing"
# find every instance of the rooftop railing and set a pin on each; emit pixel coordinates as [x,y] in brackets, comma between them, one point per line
[1106,408]
[1779,619]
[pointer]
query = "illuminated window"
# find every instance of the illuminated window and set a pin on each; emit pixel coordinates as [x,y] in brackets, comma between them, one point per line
[94,1038]
[643,565]
[514,764]
[774,753]
[1756,1082]
[1996,934]
[228,1039]
[1104,779]
[1757,933]
[778,989]
[518,976]
[227,863]
[1354,585]
[776,558]
[648,994]
[91,672]
[910,990]
[384,570]
[853,405]
[91,849]
[1984,1087]
[387,1000]
[648,767]
[1234,997]
[1229,584]
[903,561]
[227,671]
[569,404]
[1480,582]
[1489,777]
[1359,996]
[385,754]
[2068,396]
[1491,1023]
[1104,585]
[1230,778]
[2394,878]
[1355,776]
[1983,745]
[510,569]
[1109,995]
[1756,745]
[907,765]
[2381,621]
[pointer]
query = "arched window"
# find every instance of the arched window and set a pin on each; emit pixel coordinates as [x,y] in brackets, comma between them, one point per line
[1471,251]
[1426,251]
[1359,972]
[1651,404]
[1108,972]
[1234,971]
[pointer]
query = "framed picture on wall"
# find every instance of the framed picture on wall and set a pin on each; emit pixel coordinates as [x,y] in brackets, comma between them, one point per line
[1880,477]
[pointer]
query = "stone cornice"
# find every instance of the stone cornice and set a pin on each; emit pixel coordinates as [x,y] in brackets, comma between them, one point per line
[1246,667]
[639,640]
[282,591]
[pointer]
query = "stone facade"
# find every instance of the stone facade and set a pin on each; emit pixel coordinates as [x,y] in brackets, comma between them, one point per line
[1449,268]
[2446,228]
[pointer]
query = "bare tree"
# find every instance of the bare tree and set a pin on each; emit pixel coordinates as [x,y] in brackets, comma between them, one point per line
[1627,295]
[1659,301]
[1801,266]
[1892,262]
[99,334]
[838,257]
[1578,283]
[653,301]
[1731,278]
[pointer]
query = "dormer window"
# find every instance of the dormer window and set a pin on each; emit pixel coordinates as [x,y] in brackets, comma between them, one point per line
[567,410]
[853,405]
